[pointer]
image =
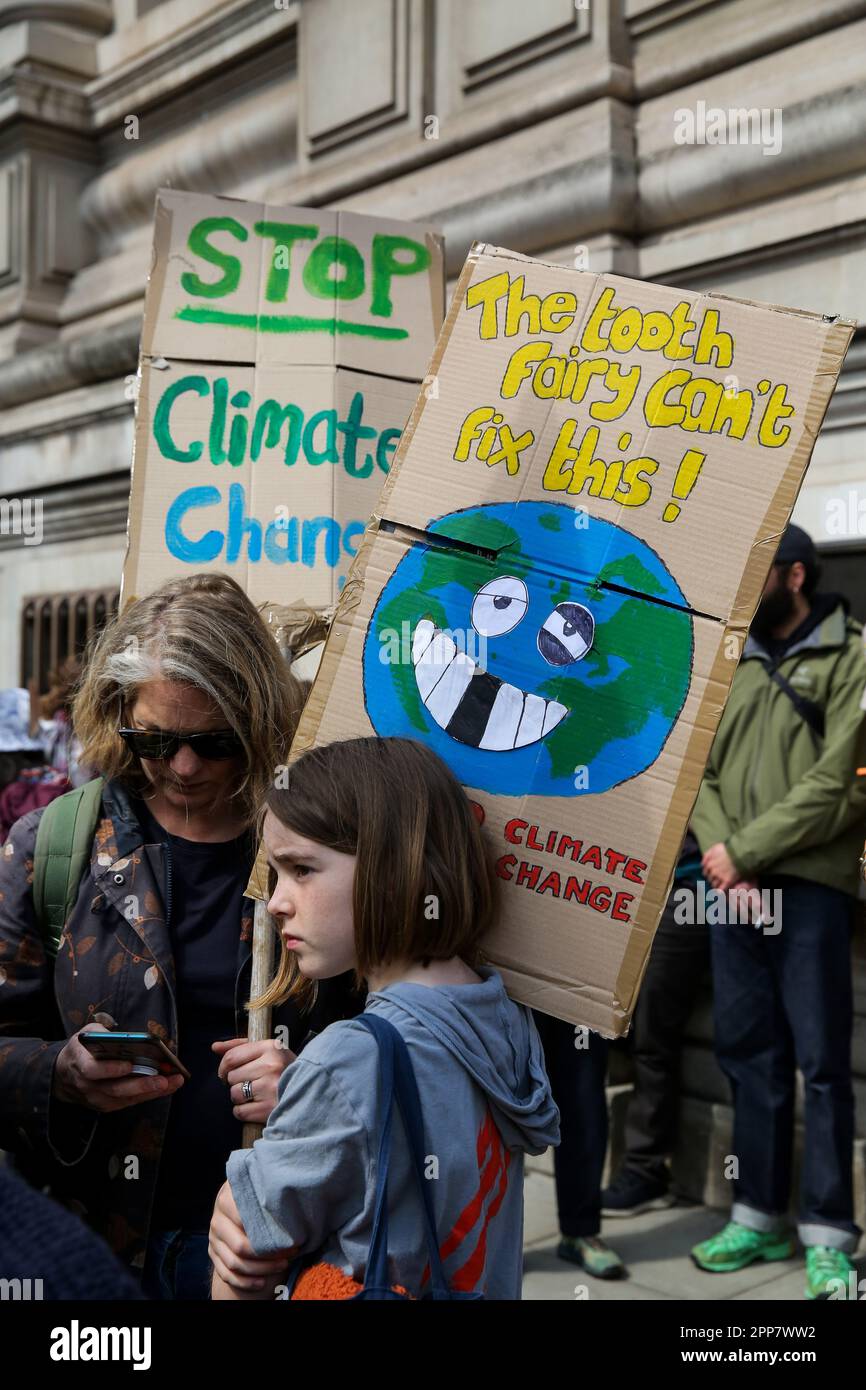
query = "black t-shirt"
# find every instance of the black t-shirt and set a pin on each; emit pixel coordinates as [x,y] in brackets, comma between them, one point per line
[205,890]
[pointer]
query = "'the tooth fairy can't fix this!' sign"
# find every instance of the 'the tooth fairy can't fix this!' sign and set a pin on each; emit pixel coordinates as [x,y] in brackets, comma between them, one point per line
[568,552]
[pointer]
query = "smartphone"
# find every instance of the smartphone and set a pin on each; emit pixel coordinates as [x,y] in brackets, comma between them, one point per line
[148,1053]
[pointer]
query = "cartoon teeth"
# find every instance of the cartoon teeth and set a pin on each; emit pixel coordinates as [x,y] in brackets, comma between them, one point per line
[471,705]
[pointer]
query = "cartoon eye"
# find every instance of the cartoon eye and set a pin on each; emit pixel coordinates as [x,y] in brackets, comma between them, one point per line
[499,605]
[567,634]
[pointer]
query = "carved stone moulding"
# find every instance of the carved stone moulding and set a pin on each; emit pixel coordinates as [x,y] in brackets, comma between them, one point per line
[62,366]
[90,16]
[820,139]
[248,136]
[357,86]
[42,244]
[494,41]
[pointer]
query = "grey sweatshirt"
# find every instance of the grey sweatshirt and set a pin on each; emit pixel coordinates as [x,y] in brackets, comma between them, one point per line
[310,1180]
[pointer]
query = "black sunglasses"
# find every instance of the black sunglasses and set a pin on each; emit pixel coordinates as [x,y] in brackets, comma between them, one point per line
[160,744]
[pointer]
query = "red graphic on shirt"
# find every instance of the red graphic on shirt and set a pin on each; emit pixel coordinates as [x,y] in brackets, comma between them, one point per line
[493,1160]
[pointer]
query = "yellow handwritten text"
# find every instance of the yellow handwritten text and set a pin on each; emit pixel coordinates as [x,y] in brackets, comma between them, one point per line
[574,469]
[566,378]
[523,313]
[703,405]
[484,427]
[656,331]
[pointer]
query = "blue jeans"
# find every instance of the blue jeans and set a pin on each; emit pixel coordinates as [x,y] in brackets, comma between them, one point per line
[783,1001]
[577,1078]
[177,1266]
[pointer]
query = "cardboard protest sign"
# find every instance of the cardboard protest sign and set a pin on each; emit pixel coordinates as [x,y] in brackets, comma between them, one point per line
[280,356]
[556,586]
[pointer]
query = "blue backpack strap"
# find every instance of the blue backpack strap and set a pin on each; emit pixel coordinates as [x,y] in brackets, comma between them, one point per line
[376,1281]
[409,1102]
[397,1081]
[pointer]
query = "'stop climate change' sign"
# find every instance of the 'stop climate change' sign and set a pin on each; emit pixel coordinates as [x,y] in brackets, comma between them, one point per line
[281,352]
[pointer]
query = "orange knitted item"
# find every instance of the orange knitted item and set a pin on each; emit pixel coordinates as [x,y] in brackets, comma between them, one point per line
[327,1281]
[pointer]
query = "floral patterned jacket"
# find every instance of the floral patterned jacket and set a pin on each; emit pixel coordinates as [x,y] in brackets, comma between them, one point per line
[114,966]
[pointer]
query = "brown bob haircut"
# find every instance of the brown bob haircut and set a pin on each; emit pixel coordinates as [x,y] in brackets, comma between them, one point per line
[203,631]
[424,885]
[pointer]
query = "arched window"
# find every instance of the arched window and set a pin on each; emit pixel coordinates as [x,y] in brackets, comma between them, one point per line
[57,626]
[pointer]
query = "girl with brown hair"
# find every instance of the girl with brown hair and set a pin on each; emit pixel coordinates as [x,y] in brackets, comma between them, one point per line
[379,866]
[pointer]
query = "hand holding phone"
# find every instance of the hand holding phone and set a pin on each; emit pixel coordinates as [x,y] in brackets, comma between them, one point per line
[84,1077]
[147,1053]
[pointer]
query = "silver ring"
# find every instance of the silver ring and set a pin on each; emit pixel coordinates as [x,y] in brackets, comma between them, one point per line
[247,1089]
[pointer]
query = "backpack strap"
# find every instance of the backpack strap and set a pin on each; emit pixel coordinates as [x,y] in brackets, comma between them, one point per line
[397,1083]
[64,843]
[811,713]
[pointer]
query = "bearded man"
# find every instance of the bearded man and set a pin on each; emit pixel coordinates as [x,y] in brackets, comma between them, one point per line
[781,808]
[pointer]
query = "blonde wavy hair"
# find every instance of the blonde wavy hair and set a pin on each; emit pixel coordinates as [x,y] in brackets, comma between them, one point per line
[203,631]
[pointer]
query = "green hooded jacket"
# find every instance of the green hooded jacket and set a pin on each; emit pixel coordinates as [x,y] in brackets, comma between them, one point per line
[780,798]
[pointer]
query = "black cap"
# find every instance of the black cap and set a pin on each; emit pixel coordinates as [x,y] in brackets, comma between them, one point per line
[796,544]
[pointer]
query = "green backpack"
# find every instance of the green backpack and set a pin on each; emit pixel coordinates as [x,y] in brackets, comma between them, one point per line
[64,844]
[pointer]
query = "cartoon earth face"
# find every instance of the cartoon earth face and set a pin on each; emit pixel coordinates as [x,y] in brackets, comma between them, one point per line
[526,682]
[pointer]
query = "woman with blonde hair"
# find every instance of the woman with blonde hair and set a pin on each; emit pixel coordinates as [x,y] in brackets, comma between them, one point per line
[185,710]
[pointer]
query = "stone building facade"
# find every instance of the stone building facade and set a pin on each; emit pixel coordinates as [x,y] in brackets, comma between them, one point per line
[564,128]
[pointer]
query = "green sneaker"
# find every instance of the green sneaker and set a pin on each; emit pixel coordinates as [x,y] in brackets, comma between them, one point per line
[829,1273]
[737,1246]
[593,1255]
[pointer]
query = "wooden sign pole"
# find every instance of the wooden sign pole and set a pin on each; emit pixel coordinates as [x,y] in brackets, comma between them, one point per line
[264,927]
[295,626]
[259,1026]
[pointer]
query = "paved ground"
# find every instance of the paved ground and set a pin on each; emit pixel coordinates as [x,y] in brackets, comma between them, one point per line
[655,1248]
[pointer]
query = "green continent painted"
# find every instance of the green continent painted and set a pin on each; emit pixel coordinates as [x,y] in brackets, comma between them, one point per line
[631,573]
